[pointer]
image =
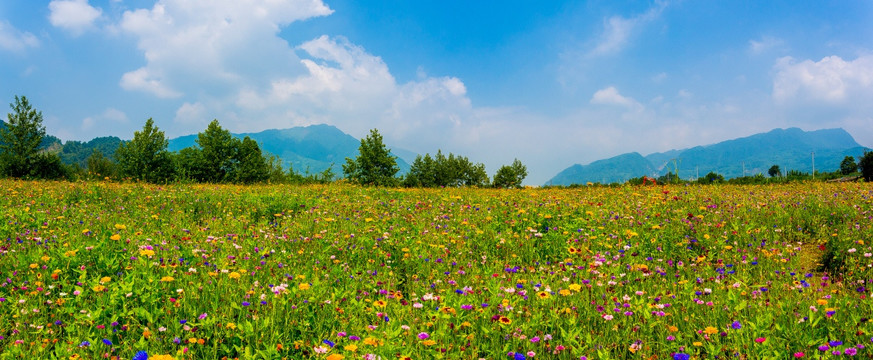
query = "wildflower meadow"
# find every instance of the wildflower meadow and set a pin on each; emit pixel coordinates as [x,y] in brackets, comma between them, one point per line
[93,270]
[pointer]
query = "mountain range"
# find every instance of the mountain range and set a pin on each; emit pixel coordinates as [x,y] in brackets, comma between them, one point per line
[790,149]
[310,149]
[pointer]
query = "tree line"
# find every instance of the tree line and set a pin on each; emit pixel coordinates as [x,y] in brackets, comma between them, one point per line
[217,157]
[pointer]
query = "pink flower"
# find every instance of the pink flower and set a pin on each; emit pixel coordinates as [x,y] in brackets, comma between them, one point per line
[799,354]
[760,340]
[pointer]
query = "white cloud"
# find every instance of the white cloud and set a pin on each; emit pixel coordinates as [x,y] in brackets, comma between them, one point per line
[75,16]
[348,87]
[191,113]
[141,79]
[611,96]
[831,80]
[14,40]
[212,45]
[110,117]
[618,30]
[764,44]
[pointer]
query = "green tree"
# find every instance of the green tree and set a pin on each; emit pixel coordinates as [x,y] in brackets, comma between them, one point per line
[99,166]
[848,165]
[774,171]
[510,176]
[866,165]
[146,157]
[711,178]
[251,166]
[218,154]
[374,164]
[20,139]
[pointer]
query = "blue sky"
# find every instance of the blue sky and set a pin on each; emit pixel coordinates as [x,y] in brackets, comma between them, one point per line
[551,83]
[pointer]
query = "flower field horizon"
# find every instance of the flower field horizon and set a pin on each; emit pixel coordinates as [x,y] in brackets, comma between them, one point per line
[94,270]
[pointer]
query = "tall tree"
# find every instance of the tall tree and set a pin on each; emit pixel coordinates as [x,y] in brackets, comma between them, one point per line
[20,139]
[774,171]
[374,164]
[510,176]
[251,166]
[848,165]
[218,153]
[146,157]
[866,165]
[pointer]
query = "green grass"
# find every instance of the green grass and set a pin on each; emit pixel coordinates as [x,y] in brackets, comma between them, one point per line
[209,271]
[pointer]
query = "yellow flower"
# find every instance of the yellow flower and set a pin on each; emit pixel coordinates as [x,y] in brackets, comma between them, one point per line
[230,326]
[34,266]
[335,357]
[303,286]
[115,237]
[822,302]
[161,357]
[167,279]
[697,343]
[98,288]
[192,340]
[543,295]
[351,348]
[146,252]
[672,328]
[564,292]
[372,342]
[120,227]
[428,342]
[234,275]
[379,303]
[710,330]
[575,287]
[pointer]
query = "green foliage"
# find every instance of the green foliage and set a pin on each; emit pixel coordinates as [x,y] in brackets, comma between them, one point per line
[442,171]
[99,166]
[250,165]
[774,171]
[510,176]
[848,165]
[711,178]
[218,154]
[374,164]
[20,142]
[146,158]
[866,165]
[77,152]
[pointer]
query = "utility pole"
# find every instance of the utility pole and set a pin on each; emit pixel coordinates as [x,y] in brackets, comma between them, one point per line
[744,169]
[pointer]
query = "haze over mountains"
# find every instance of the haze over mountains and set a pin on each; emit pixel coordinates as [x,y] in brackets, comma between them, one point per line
[791,149]
[314,148]
[310,149]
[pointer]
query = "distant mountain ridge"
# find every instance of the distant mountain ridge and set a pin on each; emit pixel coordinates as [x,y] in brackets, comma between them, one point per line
[791,149]
[311,148]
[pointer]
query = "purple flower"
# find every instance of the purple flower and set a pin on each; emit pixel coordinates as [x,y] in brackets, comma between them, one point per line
[423,335]
[246,303]
[140,355]
[823,348]
[107,342]
[851,351]
[328,343]
[736,325]
[202,316]
[681,356]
